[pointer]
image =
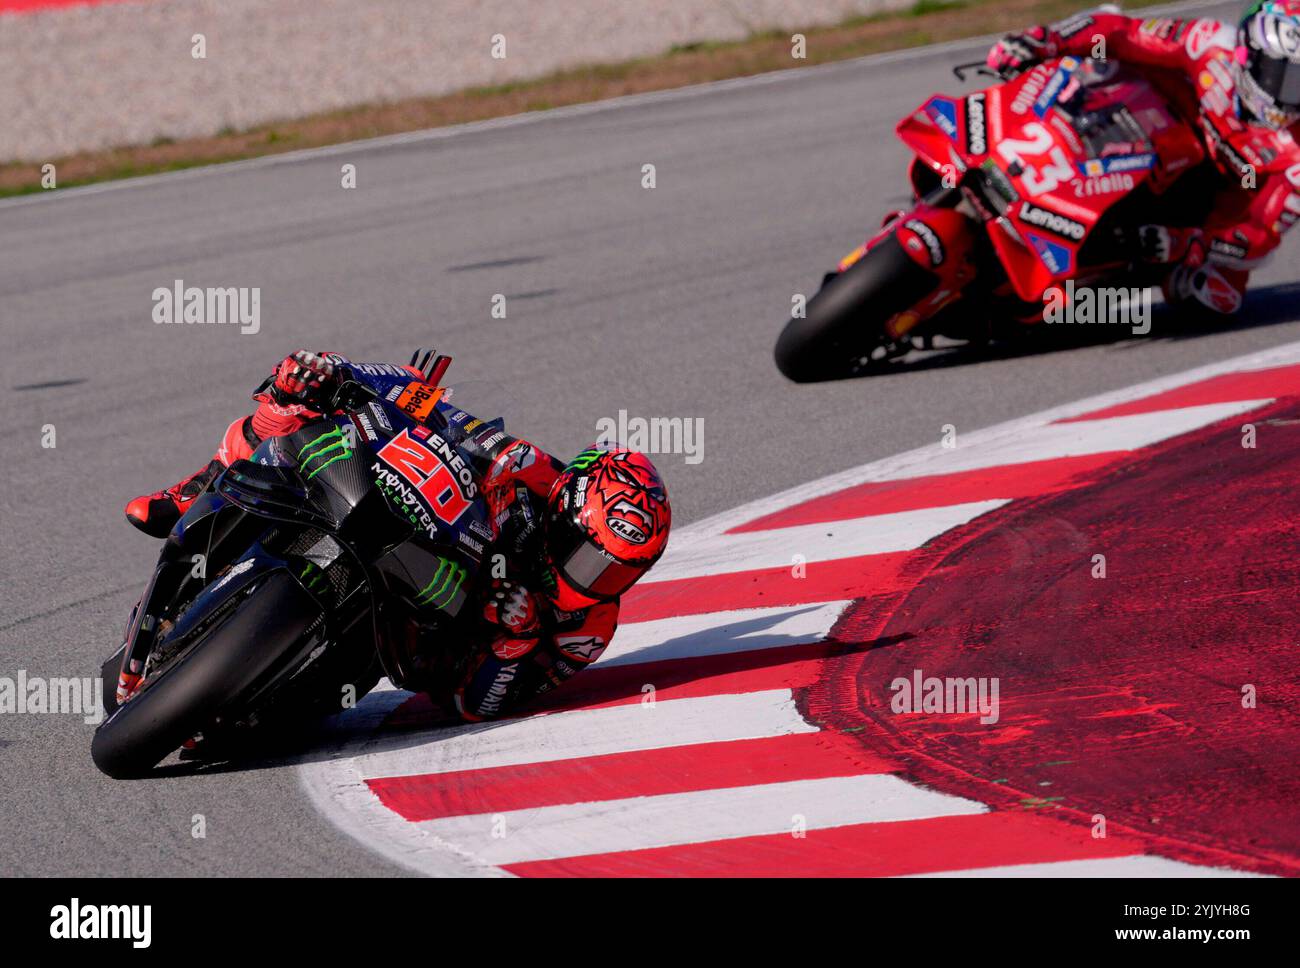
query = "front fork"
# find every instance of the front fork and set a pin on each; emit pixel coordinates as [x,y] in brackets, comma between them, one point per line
[137,640]
[175,564]
[938,237]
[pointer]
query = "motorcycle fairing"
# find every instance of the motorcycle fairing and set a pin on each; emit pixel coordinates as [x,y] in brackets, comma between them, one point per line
[1039,185]
[419,569]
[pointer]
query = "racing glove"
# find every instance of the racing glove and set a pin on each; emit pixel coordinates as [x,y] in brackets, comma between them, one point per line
[305,378]
[1018,52]
[1164,244]
[506,669]
[511,607]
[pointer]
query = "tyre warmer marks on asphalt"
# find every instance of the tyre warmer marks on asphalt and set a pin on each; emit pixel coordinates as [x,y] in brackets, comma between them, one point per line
[740,724]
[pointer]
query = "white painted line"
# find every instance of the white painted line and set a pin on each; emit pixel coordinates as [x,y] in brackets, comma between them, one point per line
[1136,865]
[903,465]
[335,785]
[905,530]
[638,823]
[589,732]
[1053,441]
[882,533]
[338,791]
[721,633]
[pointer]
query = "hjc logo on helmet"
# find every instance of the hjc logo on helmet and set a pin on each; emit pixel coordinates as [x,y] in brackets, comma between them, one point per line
[626,528]
[629,496]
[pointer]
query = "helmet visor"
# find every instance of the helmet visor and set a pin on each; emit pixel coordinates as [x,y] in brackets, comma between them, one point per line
[594,572]
[1280,79]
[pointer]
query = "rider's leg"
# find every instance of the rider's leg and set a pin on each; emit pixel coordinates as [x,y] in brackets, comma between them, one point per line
[498,676]
[154,514]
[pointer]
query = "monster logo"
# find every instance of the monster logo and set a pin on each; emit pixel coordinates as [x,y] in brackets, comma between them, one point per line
[444,589]
[584,460]
[324,450]
[313,578]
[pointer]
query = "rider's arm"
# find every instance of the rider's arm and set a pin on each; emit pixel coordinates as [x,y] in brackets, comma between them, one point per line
[286,398]
[1167,43]
[520,661]
[1238,237]
[567,652]
[1242,235]
[516,461]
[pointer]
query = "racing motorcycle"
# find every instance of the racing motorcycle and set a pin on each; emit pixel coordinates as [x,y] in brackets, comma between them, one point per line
[1037,181]
[303,575]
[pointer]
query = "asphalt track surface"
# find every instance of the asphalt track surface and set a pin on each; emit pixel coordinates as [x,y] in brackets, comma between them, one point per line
[660,302]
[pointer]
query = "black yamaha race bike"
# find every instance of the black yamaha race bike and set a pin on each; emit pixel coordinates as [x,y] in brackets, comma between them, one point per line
[305,574]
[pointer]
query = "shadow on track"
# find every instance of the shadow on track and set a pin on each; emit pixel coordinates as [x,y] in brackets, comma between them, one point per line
[1275,305]
[378,722]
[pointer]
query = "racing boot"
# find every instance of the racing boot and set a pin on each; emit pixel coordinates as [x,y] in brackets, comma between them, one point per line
[284,405]
[156,513]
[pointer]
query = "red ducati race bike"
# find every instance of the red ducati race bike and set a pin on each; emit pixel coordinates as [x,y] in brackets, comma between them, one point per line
[1023,186]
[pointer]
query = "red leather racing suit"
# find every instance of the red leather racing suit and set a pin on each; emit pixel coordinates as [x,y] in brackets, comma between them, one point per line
[530,646]
[1192,63]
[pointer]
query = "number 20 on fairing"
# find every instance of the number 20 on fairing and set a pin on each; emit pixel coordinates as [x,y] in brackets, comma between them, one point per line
[432,478]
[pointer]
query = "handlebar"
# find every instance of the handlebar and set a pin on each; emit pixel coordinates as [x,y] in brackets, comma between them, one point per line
[978,67]
[351,395]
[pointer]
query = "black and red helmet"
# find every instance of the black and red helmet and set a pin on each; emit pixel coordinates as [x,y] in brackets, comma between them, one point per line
[607,522]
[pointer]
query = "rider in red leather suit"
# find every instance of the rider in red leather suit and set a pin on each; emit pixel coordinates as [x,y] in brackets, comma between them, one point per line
[575,538]
[1243,84]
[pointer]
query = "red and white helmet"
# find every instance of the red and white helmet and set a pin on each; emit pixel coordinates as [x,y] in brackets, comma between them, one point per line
[607,522]
[1268,62]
